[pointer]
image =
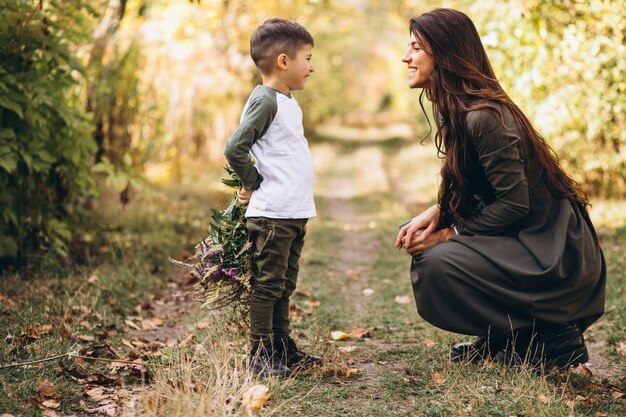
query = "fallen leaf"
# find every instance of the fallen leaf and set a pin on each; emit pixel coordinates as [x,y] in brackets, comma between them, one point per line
[301,293]
[201,325]
[297,313]
[618,393]
[339,335]
[621,348]
[46,413]
[590,400]
[46,388]
[51,403]
[132,324]
[489,363]
[582,370]
[438,378]
[358,332]
[255,397]
[187,341]
[107,410]
[347,349]
[67,317]
[368,292]
[94,280]
[86,338]
[352,371]
[67,331]
[429,343]
[45,329]
[314,303]
[402,299]
[599,414]
[86,325]
[96,393]
[542,398]
[152,323]
[6,305]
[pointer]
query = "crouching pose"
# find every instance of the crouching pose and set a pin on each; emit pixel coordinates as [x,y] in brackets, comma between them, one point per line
[508,253]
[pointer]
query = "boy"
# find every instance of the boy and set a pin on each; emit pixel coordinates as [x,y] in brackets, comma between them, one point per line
[278,189]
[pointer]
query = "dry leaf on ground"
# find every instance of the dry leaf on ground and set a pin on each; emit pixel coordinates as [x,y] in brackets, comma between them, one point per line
[347,349]
[51,403]
[339,335]
[46,388]
[543,399]
[255,397]
[438,378]
[429,343]
[94,280]
[402,299]
[352,371]
[45,329]
[368,292]
[582,370]
[358,332]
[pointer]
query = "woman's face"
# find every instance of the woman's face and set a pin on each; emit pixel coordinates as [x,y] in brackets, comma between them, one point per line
[419,62]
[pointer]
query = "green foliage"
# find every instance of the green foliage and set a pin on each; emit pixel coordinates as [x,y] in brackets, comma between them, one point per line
[222,262]
[564,63]
[45,144]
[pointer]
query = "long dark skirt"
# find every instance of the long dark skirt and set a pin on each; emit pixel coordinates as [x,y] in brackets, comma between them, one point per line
[493,285]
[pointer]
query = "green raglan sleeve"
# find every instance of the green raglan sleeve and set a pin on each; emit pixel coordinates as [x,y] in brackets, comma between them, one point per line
[256,120]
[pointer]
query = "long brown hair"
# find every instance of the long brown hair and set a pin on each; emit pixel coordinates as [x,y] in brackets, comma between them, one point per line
[462,80]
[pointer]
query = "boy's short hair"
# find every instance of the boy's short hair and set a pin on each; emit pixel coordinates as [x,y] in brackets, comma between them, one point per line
[274,37]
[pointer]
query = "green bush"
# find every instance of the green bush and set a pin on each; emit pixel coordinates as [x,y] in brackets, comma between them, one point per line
[564,63]
[45,135]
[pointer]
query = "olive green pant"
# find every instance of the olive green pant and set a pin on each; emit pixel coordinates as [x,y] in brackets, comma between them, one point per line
[276,249]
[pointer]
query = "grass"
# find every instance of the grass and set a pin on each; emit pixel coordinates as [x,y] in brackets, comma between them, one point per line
[403,361]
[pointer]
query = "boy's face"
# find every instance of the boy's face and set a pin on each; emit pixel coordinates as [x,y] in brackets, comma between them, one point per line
[299,68]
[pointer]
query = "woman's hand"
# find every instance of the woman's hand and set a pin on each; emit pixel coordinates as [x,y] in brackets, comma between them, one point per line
[419,228]
[419,244]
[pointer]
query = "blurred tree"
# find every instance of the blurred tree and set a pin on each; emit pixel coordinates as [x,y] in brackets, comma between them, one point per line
[564,62]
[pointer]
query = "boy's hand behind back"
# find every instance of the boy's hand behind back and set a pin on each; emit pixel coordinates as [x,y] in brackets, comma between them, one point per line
[243,196]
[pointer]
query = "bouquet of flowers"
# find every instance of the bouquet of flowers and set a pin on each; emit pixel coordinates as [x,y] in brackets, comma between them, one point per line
[222,262]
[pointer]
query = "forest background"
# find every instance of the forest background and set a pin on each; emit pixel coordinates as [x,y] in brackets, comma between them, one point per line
[126,93]
[113,119]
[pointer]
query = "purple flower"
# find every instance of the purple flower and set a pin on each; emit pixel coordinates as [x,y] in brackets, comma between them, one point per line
[232,273]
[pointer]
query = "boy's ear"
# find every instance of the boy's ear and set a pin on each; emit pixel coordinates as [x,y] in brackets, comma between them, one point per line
[281,61]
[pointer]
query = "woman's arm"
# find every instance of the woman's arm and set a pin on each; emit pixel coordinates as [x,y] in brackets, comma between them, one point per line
[499,155]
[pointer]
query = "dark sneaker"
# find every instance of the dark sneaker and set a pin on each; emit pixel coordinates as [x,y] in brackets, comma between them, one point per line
[561,346]
[263,365]
[287,352]
[479,349]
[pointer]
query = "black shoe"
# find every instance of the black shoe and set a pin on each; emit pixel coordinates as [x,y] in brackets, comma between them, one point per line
[264,365]
[481,348]
[558,345]
[288,353]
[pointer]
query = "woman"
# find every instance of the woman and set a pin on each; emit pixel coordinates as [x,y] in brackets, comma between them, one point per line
[508,253]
